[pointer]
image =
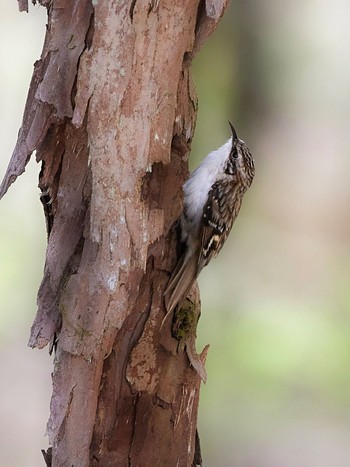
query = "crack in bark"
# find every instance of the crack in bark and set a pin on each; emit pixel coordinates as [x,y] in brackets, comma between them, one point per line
[131,10]
[134,414]
[197,458]
[161,403]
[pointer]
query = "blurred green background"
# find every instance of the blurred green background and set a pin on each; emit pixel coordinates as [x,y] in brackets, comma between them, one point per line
[275,304]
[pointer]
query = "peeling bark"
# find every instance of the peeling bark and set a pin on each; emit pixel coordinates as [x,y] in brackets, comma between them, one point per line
[111,113]
[23,5]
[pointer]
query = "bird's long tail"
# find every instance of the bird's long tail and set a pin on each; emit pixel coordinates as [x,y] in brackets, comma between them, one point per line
[180,282]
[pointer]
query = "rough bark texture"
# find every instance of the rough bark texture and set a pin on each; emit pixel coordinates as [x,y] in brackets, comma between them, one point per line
[111,112]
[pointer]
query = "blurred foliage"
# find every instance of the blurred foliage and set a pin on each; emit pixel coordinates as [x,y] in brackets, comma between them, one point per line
[275,304]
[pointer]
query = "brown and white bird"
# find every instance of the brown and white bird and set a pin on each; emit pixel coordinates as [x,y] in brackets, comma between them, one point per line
[212,199]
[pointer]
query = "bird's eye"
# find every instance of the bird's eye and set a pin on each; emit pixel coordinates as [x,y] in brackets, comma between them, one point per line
[234,153]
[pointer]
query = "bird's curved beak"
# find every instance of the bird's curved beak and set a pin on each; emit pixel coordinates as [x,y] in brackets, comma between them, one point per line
[234,134]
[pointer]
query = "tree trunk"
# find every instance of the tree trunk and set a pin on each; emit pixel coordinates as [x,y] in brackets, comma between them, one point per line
[111,112]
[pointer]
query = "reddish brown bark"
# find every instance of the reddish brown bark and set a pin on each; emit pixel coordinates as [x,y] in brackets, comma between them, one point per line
[111,112]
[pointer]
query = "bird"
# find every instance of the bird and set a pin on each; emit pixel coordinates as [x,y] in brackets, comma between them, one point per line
[212,199]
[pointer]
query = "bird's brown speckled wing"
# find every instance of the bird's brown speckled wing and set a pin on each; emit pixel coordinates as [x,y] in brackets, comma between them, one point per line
[213,226]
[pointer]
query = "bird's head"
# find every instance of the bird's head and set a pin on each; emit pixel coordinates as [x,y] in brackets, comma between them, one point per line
[240,162]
